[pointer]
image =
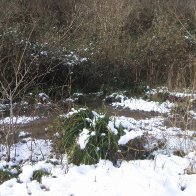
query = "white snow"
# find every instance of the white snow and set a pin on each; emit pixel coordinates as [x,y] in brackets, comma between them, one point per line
[118,96]
[29,149]
[24,134]
[43,96]
[173,137]
[164,89]
[112,128]
[73,111]
[18,120]
[163,176]
[83,138]
[142,105]
[129,136]
[193,114]
[131,123]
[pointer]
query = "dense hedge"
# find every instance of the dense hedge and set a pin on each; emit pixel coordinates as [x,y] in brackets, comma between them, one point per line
[126,43]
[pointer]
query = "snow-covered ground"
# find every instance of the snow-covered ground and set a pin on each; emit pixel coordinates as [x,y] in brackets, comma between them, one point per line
[185,92]
[28,149]
[165,175]
[142,105]
[18,120]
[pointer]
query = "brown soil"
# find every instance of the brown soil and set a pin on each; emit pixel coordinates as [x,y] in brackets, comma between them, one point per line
[39,128]
[138,115]
[112,111]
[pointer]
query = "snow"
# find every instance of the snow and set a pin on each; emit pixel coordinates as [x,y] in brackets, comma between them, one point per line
[83,138]
[73,59]
[44,53]
[27,170]
[43,96]
[164,89]
[18,120]
[129,136]
[73,111]
[24,134]
[112,128]
[131,123]
[165,175]
[118,96]
[142,105]
[27,173]
[178,94]
[193,114]
[29,149]
[173,137]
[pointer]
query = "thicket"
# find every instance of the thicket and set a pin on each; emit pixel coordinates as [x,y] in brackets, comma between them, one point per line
[126,43]
[86,137]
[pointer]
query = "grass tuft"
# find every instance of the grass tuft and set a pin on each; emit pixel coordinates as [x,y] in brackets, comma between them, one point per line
[37,175]
[100,142]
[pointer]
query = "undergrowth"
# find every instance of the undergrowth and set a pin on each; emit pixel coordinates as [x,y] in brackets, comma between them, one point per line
[8,173]
[86,137]
[37,175]
[124,43]
[100,143]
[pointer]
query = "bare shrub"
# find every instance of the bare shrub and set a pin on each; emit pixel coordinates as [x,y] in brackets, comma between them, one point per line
[127,43]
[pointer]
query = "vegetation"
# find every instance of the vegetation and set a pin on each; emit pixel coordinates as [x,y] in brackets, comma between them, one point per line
[86,137]
[93,45]
[4,176]
[100,142]
[126,43]
[7,173]
[50,49]
[37,175]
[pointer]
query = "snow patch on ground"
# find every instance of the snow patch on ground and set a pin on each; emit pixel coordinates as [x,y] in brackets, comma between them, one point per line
[29,149]
[23,134]
[163,176]
[174,138]
[193,114]
[142,105]
[18,120]
[72,112]
[129,136]
[166,175]
[163,89]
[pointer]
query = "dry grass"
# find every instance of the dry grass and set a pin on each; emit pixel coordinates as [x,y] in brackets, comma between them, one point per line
[130,42]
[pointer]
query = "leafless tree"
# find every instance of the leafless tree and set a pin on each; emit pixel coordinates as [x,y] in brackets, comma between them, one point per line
[19,70]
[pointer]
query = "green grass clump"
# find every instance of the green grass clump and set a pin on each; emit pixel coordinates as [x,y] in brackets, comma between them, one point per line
[6,173]
[37,175]
[101,142]
[4,176]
